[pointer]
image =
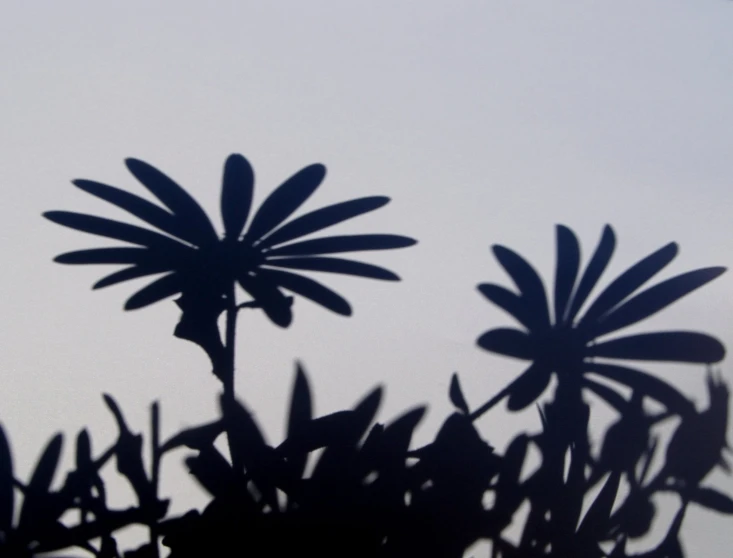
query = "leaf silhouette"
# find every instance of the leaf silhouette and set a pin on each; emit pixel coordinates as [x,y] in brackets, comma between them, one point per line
[285,200]
[36,505]
[508,342]
[712,499]
[597,517]
[323,218]
[236,194]
[528,387]
[309,289]
[268,297]
[456,395]
[7,500]
[654,299]
[594,270]
[629,281]
[527,281]
[197,438]
[183,206]
[301,413]
[566,272]
[674,346]
[335,265]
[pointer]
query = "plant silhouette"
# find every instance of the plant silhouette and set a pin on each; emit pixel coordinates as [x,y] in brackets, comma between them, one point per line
[345,484]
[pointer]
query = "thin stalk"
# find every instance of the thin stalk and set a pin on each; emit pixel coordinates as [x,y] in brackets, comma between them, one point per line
[228,375]
[155,472]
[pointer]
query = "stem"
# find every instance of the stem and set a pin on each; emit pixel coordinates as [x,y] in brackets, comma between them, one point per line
[229,342]
[155,472]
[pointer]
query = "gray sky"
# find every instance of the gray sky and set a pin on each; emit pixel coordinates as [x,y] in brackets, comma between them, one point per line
[485,122]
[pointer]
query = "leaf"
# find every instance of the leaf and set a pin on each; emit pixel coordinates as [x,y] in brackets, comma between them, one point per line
[129,273]
[83,450]
[395,440]
[183,206]
[509,342]
[654,299]
[511,303]
[528,387]
[268,297]
[159,289]
[629,281]
[117,230]
[139,207]
[566,270]
[6,484]
[323,218]
[36,504]
[236,194]
[595,522]
[285,200]
[347,243]
[645,383]
[671,346]
[527,281]
[301,414]
[336,429]
[309,289]
[366,410]
[593,271]
[711,498]
[335,265]
[456,395]
[196,438]
[246,442]
[212,471]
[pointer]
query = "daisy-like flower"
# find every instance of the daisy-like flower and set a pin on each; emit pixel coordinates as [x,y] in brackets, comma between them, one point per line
[568,343]
[255,253]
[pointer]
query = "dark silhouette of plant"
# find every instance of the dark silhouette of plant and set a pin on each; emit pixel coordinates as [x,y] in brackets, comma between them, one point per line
[343,484]
[204,268]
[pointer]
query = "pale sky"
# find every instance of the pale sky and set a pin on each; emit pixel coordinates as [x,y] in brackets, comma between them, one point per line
[485,122]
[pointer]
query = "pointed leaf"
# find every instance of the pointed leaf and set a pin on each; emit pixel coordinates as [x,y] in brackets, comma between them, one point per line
[395,440]
[629,281]
[183,206]
[336,244]
[595,522]
[301,414]
[139,207]
[236,194]
[159,289]
[509,342]
[129,273]
[115,229]
[285,200]
[36,500]
[456,395]
[711,498]
[653,300]
[593,271]
[527,281]
[7,500]
[566,271]
[367,408]
[335,265]
[671,346]
[511,303]
[196,438]
[247,444]
[309,289]
[267,295]
[83,450]
[323,218]
[645,383]
[528,387]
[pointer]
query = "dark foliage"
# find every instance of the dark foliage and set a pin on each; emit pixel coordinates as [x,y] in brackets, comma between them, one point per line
[343,484]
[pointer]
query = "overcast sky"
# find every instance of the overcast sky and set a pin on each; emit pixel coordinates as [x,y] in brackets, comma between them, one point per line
[485,122]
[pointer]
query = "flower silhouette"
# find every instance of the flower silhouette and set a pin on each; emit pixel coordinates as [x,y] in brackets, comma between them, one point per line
[204,267]
[566,343]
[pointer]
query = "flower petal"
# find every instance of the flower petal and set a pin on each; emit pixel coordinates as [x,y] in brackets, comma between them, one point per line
[629,281]
[509,342]
[672,346]
[132,272]
[307,288]
[273,302]
[644,383]
[140,208]
[176,199]
[335,244]
[511,303]
[106,256]
[323,218]
[527,281]
[115,229]
[653,299]
[335,265]
[593,271]
[236,194]
[287,198]
[566,271]
[528,387]
[607,394]
[159,289]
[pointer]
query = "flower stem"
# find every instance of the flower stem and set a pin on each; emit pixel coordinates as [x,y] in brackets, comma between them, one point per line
[229,342]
